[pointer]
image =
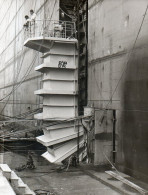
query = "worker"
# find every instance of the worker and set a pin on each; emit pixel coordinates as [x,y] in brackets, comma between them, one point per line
[74,161]
[32,18]
[33,15]
[26,25]
[30,163]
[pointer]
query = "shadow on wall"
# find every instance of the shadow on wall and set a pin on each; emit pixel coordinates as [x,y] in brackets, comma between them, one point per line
[134,126]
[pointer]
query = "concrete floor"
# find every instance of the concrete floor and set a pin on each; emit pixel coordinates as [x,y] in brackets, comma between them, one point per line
[45,177]
[76,181]
[72,182]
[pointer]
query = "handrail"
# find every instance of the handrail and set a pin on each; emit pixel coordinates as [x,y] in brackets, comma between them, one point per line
[50,28]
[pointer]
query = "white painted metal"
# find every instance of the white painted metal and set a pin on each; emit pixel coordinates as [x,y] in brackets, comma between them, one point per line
[59,112]
[48,92]
[63,151]
[17,184]
[47,141]
[60,134]
[59,85]
[38,116]
[62,100]
[44,44]
[88,111]
[59,92]
[5,187]
[60,74]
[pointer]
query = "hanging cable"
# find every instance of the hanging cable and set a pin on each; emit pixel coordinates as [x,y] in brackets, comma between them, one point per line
[127,63]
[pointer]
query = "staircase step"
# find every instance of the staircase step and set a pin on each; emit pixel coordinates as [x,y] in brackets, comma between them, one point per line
[28,191]
[6,170]
[21,186]
[14,178]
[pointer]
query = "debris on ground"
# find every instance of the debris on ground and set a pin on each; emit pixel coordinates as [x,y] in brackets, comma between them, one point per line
[44,192]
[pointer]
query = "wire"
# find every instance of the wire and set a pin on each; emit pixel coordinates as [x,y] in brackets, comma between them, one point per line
[16,77]
[110,162]
[130,53]
[70,119]
[23,114]
[4,16]
[17,133]
[15,80]
[26,74]
[31,65]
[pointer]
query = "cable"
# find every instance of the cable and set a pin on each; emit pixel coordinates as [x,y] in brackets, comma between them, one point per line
[12,18]
[26,74]
[67,120]
[70,119]
[6,12]
[17,133]
[15,80]
[31,62]
[110,162]
[17,116]
[126,66]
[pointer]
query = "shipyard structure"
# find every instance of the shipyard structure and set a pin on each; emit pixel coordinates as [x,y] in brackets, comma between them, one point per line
[81,68]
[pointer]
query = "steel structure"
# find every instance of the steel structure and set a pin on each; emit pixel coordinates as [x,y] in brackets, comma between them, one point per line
[60,87]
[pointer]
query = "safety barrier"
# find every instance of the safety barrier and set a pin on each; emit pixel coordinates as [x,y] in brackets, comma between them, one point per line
[49,28]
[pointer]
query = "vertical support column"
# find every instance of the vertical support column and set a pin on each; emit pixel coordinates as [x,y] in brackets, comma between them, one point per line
[13,89]
[114,136]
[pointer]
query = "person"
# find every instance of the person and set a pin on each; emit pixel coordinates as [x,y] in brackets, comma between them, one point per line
[26,25]
[30,163]
[74,161]
[32,18]
[33,15]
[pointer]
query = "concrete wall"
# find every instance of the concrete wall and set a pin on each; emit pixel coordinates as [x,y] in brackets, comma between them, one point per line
[114,84]
[17,62]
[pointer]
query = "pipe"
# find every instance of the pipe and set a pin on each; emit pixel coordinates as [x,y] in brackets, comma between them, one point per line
[114,136]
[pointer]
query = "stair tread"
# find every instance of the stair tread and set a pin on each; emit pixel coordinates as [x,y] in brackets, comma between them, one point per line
[28,191]
[5,168]
[21,183]
[14,176]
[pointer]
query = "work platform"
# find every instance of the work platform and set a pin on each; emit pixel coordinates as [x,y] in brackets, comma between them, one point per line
[44,44]
[41,34]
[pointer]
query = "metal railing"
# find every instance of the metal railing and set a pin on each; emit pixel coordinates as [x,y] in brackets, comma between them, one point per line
[49,28]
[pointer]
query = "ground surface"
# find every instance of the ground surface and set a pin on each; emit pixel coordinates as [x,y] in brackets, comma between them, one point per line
[83,180]
[71,182]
